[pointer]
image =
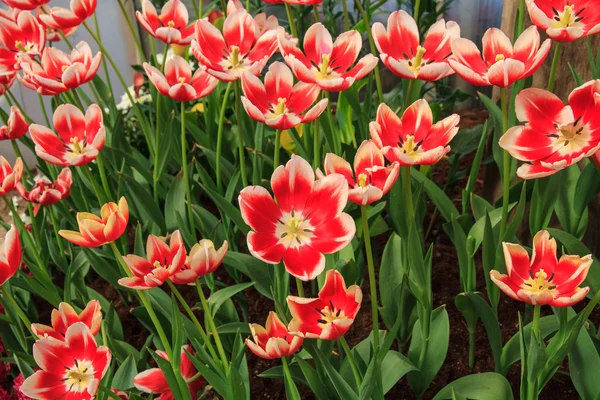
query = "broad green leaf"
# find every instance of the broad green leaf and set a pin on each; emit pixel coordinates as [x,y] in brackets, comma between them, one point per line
[584,364]
[440,199]
[216,300]
[484,386]
[123,378]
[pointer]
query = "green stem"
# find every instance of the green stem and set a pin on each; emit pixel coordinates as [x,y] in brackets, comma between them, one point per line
[346,17]
[78,101]
[536,321]
[211,323]
[409,91]
[471,349]
[54,221]
[277,148]
[97,190]
[240,137]
[506,166]
[133,32]
[365,18]
[551,78]
[196,11]
[521,20]
[21,228]
[103,178]
[43,108]
[316,11]
[408,192]
[288,375]
[200,4]
[186,177]
[416,11]
[192,316]
[108,392]
[15,306]
[104,54]
[18,153]
[13,101]
[351,360]
[372,280]
[300,287]
[220,133]
[155,172]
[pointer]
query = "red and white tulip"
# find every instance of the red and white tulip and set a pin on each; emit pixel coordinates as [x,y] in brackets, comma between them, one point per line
[565,21]
[16,126]
[203,259]
[66,316]
[555,136]
[53,34]
[263,22]
[25,4]
[170,26]
[273,340]
[23,38]
[66,18]
[45,192]
[9,175]
[10,255]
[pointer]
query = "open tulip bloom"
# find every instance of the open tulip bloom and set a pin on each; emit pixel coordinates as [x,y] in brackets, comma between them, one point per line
[65,18]
[22,38]
[555,136]
[273,340]
[565,20]
[171,26]
[324,62]
[15,127]
[66,316]
[203,259]
[47,193]
[25,4]
[10,255]
[400,50]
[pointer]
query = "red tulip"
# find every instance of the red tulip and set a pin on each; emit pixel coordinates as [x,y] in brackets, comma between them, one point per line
[329,316]
[52,34]
[16,126]
[544,279]
[81,137]
[555,136]
[162,261]
[413,139]
[565,21]
[23,37]
[502,64]
[279,103]
[373,178]
[120,394]
[70,369]
[153,380]
[171,26]
[324,62]
[8,75]
[65,18]
[47,193]
[65,316]
[238,49]
[95,231]
[9,176]
[264,24]
[295,2]
[11,255]
[25,4]
[178,82]
[400,50]
[306,222]
[59,72]
[203,259]
[274,340]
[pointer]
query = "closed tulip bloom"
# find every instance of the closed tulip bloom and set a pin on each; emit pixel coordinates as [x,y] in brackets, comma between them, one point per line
[23,37]
[413,139]
[238,49]
[171,26]
[371,179]
[15,127]
[59,72]
[97,231]
[9,176]
[25,4]
[66,316]
[329,316]
[278,102]
[162,260]
[69,369]
[565,21]
[65,18]
[400,50]
[47,193]
[555,136]
[502,64]
[79,138]
[178,82]
[543,279]
[273,340]
[10,255]
[324,62]
[203,259]
[306,221]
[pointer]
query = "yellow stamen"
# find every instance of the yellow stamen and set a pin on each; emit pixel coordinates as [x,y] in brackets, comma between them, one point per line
[499,57]
[157,264]
[171,24]
[76,146]
[566,18]
[280,108]
[362,180]
[324,68]
[19,45]
[64,68]
[182,80]
[540,283]
[419,57]
[235,51]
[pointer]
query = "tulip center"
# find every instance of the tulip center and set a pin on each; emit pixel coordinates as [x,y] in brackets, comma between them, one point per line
[22,48]
[362,180]
[499,57]
[78,377]
[324,67]
[324,70]
[410,148]
[235,54]
[329,314]
[539,283]
[76,148]
[182,80]
[293,230]
[567,18]
[417,62]
[171,24]
[571,137]
[280,107]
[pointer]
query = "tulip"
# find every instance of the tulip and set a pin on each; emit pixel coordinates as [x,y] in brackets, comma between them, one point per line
[327,63]
[22,37]
[274,340]
[9,176]
[413,139]
[565,21]
[502,64]
[65,316]
[8,75]
[65,18]
[400,50]
[543,279]
[153,380]
[239,48]
[25,4]
[278,102]
[10,256]
[203,259]
[555,136]
[16,126]
[69,369]
[295,2]
[373,178]
[59,72]
[95,231]
[178,82]
[263,22]
[53,34]
[162,261]
[171,26]
[329,316]
[81,137]
[596,158]
[47,193]
[306,221]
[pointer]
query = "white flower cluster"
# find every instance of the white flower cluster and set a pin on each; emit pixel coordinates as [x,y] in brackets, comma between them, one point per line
[125,103]
[24,217]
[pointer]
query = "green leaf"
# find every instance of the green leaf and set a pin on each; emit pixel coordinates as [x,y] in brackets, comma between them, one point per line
[342,387]
[474,172]
[392,271]
[437,195]
[565,204]
[253,268]
[216,300]
[484,386]
[542,202]
[175,203]
[141,200]
[313,379]
[393,368]
[123,378]
[228,209]
[167,370]
[584,364]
